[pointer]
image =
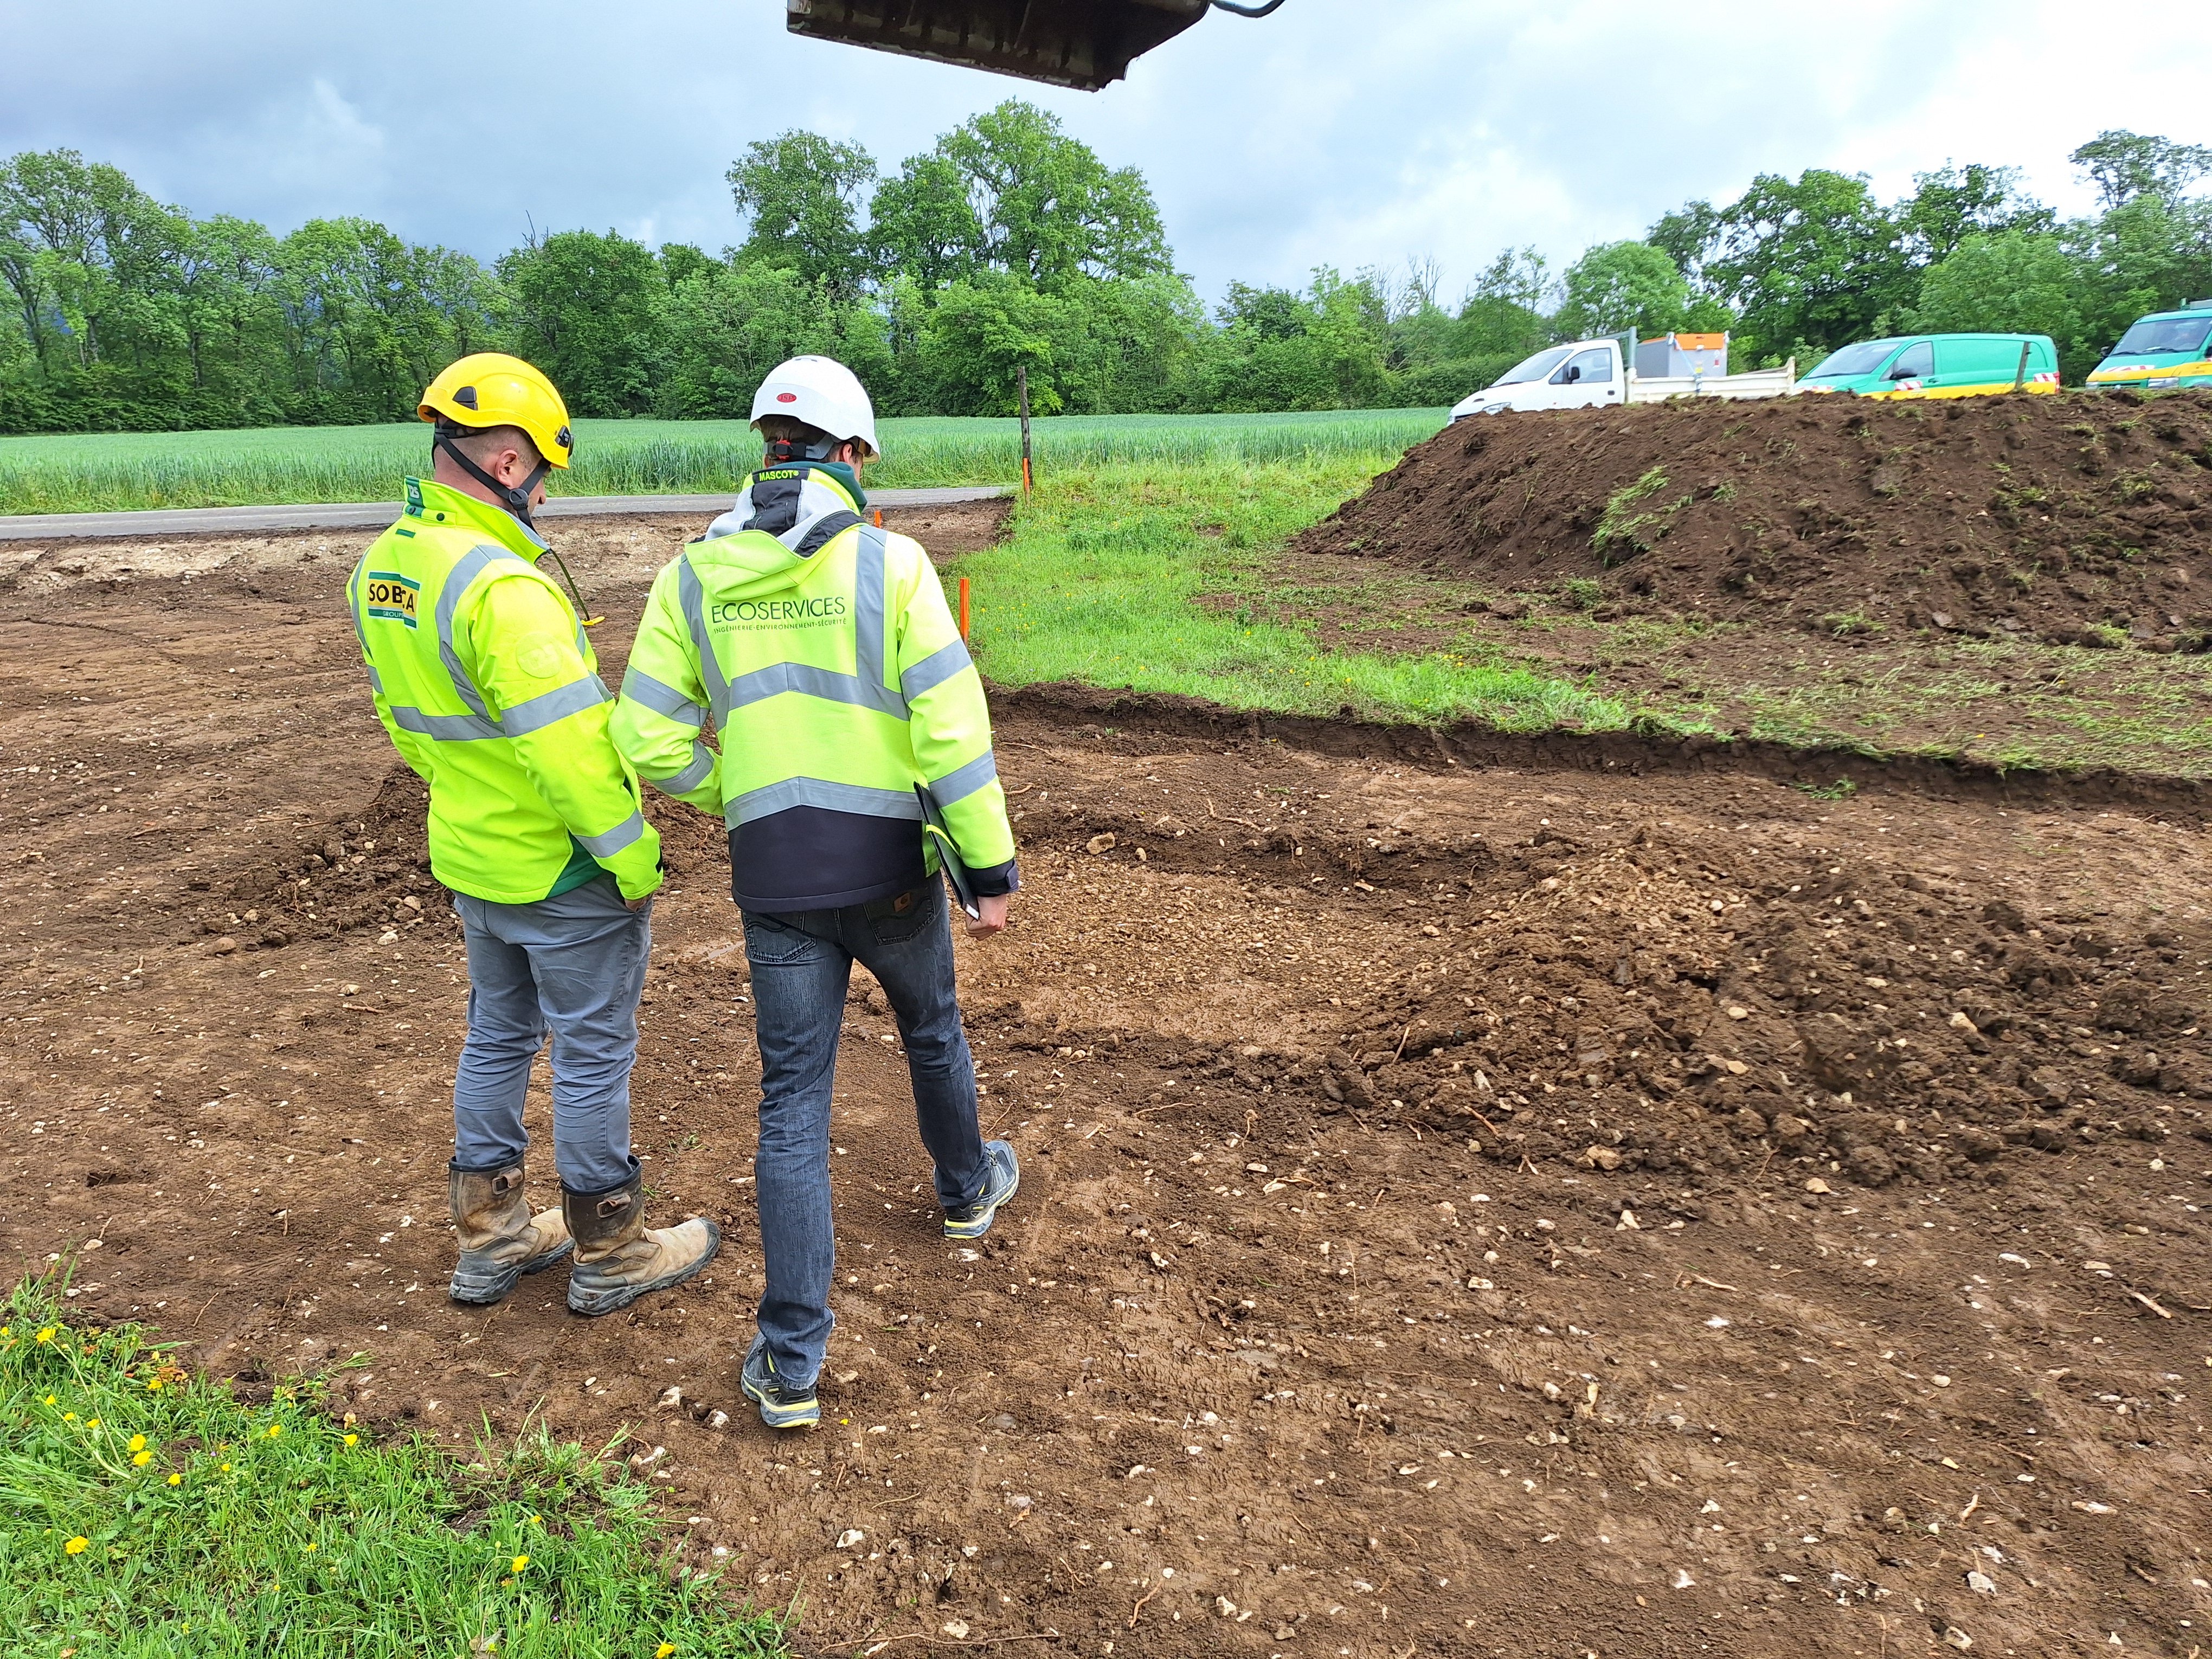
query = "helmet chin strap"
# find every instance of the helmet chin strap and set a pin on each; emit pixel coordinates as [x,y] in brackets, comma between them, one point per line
[783,451]
[515,500]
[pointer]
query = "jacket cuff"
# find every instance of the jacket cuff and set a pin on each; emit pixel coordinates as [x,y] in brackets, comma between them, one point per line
[997,881]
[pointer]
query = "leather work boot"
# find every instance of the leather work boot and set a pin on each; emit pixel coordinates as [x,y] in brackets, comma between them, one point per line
[618,1258]
[500,1240]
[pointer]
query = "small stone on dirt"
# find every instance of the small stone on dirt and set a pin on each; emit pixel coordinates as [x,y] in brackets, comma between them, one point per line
[223,946]
[1102,843]
[1816,1185]
[1738,1011]
[851,1537]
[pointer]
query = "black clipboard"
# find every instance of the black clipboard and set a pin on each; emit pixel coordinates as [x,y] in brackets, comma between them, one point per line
[948,852]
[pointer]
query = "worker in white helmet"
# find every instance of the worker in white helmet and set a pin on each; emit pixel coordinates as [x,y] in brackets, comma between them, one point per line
[855,768]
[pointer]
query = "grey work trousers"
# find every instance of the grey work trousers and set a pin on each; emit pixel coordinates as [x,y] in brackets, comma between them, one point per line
[572,966]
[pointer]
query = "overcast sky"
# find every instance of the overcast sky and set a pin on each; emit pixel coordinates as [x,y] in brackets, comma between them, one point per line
[1340,131]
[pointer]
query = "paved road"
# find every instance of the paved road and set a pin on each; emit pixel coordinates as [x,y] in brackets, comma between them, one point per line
[367,515]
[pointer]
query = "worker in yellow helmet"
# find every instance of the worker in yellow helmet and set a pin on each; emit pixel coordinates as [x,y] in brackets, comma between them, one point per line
[484,676]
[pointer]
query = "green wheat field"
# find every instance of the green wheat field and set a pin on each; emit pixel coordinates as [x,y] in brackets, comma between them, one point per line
[117,471]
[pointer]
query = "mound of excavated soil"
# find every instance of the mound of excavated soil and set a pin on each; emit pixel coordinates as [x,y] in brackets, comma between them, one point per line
[2081,519]
[1670,1005]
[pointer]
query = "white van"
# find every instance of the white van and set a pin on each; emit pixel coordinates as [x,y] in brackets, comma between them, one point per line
[1575,376]
[1587,374]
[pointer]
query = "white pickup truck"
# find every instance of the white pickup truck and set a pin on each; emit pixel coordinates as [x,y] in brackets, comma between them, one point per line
[1585,374]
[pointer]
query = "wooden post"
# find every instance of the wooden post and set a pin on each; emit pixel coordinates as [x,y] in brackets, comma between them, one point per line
[964,607]
[2019,379]
[1022,389]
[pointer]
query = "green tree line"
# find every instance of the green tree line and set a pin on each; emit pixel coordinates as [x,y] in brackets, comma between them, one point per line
[1007,247]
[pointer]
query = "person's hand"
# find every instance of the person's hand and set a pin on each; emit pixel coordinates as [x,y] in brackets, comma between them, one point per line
[993,918]
[638,903]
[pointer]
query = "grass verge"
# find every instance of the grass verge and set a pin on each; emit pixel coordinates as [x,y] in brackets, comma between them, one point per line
[145,1511]
[120,471]
[1174,579]
[1156,580]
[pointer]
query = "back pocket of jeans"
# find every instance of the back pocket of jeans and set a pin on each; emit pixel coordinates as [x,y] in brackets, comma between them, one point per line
[773,944]
[898,926]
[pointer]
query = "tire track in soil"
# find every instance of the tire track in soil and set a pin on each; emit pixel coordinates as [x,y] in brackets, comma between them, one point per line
[1816,1407]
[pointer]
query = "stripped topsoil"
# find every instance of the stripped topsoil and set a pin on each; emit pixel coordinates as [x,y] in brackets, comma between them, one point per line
[2077,518]
[1467,1209]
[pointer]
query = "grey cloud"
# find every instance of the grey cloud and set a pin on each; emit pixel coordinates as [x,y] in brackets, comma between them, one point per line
[1333,132]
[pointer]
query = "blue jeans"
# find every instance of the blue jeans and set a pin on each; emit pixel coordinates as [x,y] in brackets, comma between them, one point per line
[572,965]
[802,962]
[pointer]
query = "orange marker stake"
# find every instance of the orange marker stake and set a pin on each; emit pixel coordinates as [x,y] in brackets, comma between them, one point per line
[964,607]
[880,518]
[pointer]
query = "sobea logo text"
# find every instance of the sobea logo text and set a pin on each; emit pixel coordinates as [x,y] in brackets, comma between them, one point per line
[390,597]
[747,610]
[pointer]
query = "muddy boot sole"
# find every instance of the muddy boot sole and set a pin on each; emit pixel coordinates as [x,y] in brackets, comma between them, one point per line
[593,1300]
[476,1286]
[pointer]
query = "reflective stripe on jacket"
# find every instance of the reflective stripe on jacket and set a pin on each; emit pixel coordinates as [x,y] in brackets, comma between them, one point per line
[823,653]
[490,690]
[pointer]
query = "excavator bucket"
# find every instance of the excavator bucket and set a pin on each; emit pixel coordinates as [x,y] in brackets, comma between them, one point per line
[1083,44]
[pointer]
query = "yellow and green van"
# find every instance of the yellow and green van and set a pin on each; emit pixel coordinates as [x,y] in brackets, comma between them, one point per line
[1939,365]
[2164,350]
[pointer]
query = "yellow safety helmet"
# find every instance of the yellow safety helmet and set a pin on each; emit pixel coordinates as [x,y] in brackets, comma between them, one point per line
[490,388]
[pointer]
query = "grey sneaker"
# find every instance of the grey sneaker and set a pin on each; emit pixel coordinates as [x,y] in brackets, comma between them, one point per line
[781,1406]
[1002,1176]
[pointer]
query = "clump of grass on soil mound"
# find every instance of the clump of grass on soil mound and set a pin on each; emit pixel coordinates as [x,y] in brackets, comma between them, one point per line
[2079,518]
[146,1510]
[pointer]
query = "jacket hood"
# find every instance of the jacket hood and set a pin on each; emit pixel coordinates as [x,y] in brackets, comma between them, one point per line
[799,507]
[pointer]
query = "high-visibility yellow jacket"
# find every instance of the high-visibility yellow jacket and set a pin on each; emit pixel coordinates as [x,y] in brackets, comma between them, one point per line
[823,649]
[485,681]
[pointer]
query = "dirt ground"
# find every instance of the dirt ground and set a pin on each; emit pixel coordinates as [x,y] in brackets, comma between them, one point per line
[2078,518]
[1510,1203]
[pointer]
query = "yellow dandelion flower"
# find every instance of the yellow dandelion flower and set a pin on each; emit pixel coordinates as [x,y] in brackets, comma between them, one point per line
[50,1400]
[276,1429]
[78,1546]
[311,1547]
[521,1562]
[154,1385]
[663,1650]
[176,1479]
[140,1460]
[223,1468]
[353,1440]
[68,1417]
[46,1334]
[7,1330]
[137,1443]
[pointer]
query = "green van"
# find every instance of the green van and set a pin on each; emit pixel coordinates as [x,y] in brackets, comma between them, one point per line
[2166,348]
[1939,365]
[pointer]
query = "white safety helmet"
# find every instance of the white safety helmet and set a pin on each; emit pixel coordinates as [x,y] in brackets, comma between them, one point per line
[823,392]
